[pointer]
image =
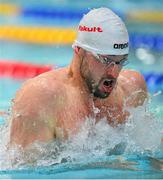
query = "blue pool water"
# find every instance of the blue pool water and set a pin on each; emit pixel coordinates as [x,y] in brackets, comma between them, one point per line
[98,171]
[131,151]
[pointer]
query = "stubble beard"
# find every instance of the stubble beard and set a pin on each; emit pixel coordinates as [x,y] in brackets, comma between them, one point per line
[92,85]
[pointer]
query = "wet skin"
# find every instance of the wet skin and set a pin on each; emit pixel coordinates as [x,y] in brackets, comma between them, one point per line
[56,103]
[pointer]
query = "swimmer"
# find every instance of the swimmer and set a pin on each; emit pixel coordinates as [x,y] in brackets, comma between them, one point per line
[54,104]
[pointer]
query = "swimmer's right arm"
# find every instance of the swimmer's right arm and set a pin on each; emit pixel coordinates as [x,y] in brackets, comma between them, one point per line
[32,117]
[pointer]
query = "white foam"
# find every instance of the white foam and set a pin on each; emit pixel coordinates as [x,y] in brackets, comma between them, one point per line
[141,134]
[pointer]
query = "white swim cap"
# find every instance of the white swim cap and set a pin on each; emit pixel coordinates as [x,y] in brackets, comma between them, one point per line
[101,31]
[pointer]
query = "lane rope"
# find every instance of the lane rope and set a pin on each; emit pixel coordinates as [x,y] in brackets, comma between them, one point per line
[145,16]
[38,35]
[148,16]
[9,9]
[21,70]
[66,36]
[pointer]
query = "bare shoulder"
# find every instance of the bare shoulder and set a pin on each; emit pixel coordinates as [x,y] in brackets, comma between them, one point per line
[133,79]
[35,109]
[134,87]
[43,90]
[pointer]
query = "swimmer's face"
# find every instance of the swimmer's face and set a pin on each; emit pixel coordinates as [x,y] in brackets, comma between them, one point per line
[101,72]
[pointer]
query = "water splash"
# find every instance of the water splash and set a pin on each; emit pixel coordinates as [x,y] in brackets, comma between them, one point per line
[143,131]
[141,134]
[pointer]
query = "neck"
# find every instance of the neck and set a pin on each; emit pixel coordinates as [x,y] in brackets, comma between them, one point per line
[74,73]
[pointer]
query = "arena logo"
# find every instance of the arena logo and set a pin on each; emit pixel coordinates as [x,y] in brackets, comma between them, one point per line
[90,29]
[120,46]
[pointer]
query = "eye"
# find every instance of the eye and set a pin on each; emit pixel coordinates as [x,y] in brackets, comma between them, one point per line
[123,62]
[106,60]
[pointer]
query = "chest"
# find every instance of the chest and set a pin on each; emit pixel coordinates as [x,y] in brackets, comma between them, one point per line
[76,108]
[112,108]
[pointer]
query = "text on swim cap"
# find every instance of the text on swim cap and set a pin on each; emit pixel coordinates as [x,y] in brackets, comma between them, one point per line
[90,29]
[120,46]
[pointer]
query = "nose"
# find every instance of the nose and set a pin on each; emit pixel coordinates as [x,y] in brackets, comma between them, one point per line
[113,70]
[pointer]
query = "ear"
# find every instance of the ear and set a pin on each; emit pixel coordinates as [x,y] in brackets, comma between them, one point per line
[79,51]
[76,49]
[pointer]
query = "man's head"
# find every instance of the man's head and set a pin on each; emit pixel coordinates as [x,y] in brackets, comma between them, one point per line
[103,44]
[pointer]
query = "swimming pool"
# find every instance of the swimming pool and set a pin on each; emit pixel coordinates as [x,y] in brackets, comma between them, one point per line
[98,151]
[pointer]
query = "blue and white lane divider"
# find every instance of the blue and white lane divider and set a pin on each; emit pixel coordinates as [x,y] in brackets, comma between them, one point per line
[20,70]
[154,81]
[151,41]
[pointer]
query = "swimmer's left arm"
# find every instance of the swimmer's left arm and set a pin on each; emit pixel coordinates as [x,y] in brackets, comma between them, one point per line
[31,115]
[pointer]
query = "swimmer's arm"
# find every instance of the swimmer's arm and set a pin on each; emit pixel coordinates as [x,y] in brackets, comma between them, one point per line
[135,88]
[32,116]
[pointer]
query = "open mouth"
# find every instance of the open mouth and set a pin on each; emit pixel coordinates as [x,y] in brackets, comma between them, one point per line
[104,88]
[108,83]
